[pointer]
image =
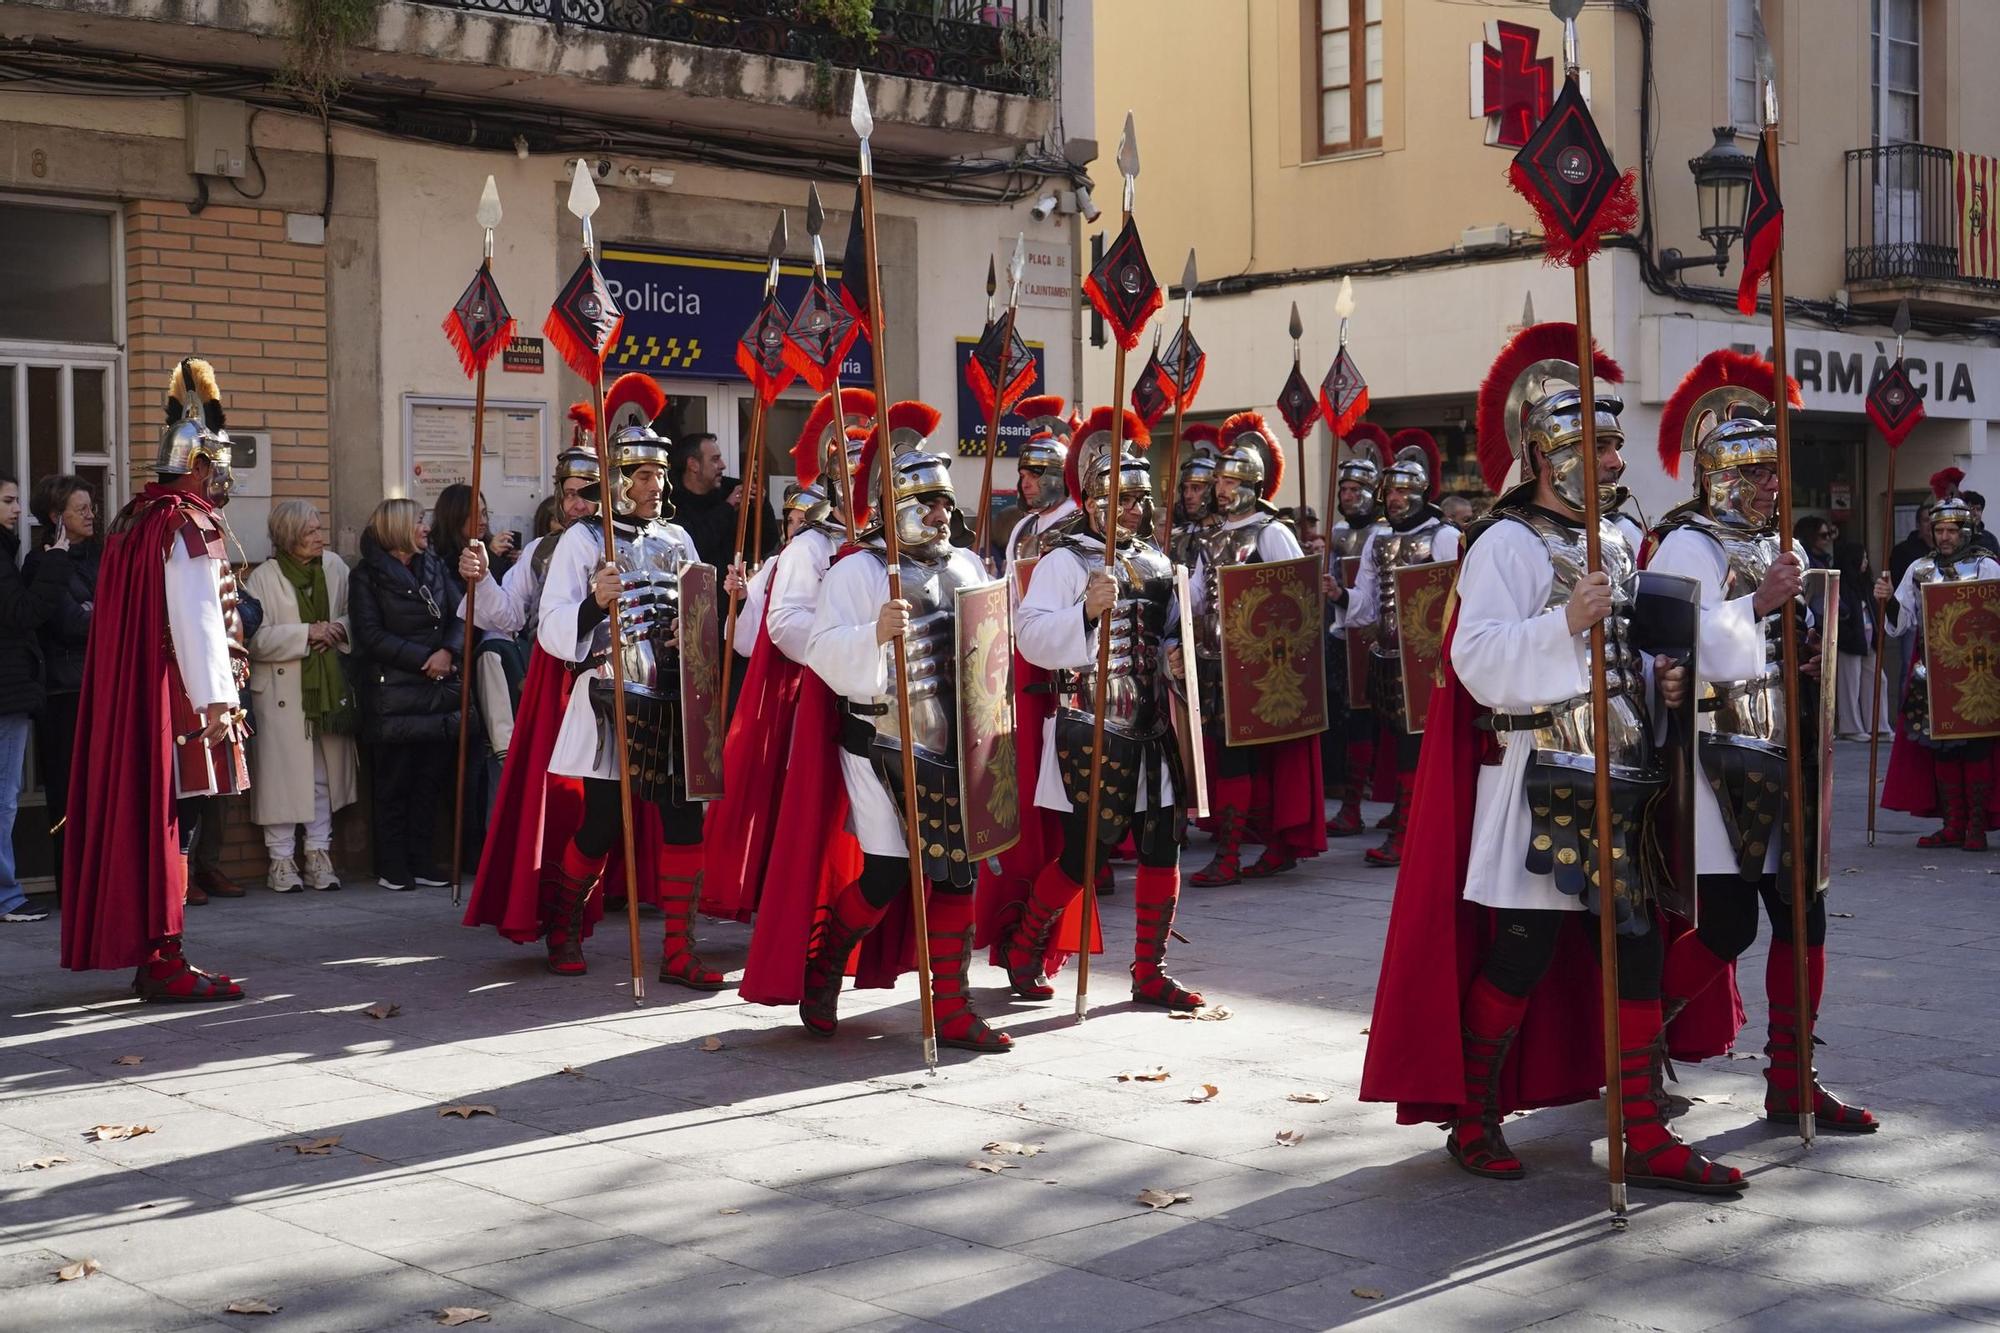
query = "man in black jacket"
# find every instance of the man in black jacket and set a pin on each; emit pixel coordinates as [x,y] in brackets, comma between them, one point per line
[24,606]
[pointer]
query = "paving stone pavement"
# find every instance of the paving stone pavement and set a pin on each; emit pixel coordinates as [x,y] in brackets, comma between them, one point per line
[629,1177]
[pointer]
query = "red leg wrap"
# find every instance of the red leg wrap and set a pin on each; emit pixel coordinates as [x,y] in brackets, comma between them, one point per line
[680,890]
[1229,799]
[1156,894]
[842,924]
[1781,1076]
[1488,1023]
[1390,853]
[1654,1156]
[566,890]
[951,958]
[1052,894]
[166,977]
[1951,797]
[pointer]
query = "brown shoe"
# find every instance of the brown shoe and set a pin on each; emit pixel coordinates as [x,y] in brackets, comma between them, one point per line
[194,897]
[215,884]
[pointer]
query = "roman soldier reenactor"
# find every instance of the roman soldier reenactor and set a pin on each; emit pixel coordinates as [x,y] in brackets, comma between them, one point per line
[1039,467]
[849,650]
[1350,745]
[1194,497]
[1501,849]
[1952,779]
[1411,532]
[644,589]
[1246,531]
[160,722]
[1070,592]
[1725,539]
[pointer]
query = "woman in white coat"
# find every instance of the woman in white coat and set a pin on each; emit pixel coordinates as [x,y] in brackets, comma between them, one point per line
[302,757]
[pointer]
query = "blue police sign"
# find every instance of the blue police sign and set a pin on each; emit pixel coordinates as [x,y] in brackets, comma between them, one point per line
[972,422]
[685,311]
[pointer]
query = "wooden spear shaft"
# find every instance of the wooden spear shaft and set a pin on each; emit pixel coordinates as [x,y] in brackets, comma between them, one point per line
[983,536]
[1788,629]
[840,451]
[1880,643]
[912,833]
[1174,445]
[465,674]
[1600,730]
[753,472]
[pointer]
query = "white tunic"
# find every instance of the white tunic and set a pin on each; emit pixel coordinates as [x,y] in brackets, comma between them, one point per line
[1363,606]
[796,576]
[1729,646]
[1049,631]
[843,652]
[1514,656]
[1908,609]
[751,613]
[201,643]
[502,604]
[579,552]
[1034,525]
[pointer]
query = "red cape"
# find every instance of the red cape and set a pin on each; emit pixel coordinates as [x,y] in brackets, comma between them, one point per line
[741,831]
[124,878]
[1297,794]
[1437,942]
[537,813]
[1911,782]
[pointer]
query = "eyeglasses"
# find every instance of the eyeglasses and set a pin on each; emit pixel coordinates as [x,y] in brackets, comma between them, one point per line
[430,602]
[1758,474]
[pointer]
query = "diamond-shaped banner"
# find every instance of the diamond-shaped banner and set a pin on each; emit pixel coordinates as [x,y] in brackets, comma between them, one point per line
[983,370]
[818,336]
[1895,406]
[1296,403]
[1183,363]
[1121,287]
[584,321]
[1343,395]
[479,324]
[1565,171]
[1150,395]
[760,352]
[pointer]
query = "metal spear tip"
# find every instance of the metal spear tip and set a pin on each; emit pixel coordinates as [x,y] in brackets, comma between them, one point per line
[1343,300]
[1528,311]
[1188,279]
[1298,325]
[489,205]
[992,281]
[858,114]
[1901,324]
[1566,10]
[780,237]
[582,191]
[815,211]
[1018,265]
[1128,149]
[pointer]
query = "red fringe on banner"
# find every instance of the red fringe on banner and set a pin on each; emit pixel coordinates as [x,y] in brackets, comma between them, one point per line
[1619,212]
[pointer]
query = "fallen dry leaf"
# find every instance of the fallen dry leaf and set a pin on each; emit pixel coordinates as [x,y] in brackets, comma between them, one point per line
[106,1133]
[130,1060]
[571,1070]
[81,1268]
[991,1168]
[1851,870]
[1008,1148]
[1162,1198]
[454,1315]
[1371,1293]
[465,1110]
[1930,867]
[383,1009]
[1310,1098]
[313,1147]
[1848,915]
[1291,1138]
[1157,1074]
[728,1212]
[1711,1099]
[41,1163]
[1364,1032]
[1212,1014]
[711,1044]
[1209,1092]
[252,1307]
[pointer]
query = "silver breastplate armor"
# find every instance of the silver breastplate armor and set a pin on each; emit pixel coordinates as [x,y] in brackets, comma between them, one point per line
[1346,543]
[1219,547]
[1138,621]
[931,652]
[1564,729]
[649,567]
[538,566]
[1752,711]
[1393,551]
[1931,570]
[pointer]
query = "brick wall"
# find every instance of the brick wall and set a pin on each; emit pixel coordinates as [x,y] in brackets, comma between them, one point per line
[227,286]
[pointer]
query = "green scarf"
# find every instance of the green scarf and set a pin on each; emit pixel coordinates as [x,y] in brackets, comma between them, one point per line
[323,690]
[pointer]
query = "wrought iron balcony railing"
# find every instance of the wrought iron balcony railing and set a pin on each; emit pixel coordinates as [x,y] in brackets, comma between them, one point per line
[1005,47]
[1915,214]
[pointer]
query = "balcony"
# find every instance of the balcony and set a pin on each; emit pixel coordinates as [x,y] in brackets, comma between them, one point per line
[1921,224]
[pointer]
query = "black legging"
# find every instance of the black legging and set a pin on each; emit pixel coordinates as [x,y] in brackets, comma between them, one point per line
[1729,914]
[1525,944]
[1152,832]
[883,877]
[680,824]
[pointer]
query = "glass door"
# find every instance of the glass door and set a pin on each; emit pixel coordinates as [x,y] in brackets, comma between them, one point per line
[56,418]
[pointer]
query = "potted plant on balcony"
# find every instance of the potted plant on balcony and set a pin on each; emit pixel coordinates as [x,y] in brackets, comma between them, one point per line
[1030,56]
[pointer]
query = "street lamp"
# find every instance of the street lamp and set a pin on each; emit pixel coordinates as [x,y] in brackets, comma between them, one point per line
[1722,178]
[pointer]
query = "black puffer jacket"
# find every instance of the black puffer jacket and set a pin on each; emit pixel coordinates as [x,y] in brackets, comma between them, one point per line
[66,633]
[402,614]
[26,606]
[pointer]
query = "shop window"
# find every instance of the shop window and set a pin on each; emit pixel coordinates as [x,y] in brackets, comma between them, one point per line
[1350,68]
[56,275]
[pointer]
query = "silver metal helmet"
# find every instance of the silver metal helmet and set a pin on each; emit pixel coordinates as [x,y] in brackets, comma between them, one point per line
[1530,418]
[811,502]
[1950,515]
[1094,472]
[1358,478]
[1414,475]
[1722,413]
[195,427]
[1250,457]
[631,404]
[916,476]
[1045,453]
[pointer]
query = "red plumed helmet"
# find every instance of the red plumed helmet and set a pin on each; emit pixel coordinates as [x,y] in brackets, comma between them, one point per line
[908,415]
[1423,440]
[1945,483]
[638,393]
[1367,435]
[1274,458]
[854,403]
[1099,423]
[1041,405]
[1202,432]
[583,423]
[1538,342]
[1721,369]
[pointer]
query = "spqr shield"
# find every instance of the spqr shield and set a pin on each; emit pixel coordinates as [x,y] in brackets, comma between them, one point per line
[1356,641]
[1273,668]
[1962,658]
[1423,592]
[1666,614]
[700,642]
[989,776]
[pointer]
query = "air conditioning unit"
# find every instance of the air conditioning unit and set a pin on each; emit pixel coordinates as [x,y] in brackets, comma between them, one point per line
[1496,237]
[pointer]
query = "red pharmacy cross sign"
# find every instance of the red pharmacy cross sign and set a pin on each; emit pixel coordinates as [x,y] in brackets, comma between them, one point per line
[1511,88]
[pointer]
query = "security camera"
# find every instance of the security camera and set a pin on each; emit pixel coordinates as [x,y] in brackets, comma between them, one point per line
[1086,206]
[1044,208]
[601,168]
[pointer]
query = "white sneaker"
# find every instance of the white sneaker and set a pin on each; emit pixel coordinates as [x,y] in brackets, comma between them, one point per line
[319,869]
[284,877]
[25,913]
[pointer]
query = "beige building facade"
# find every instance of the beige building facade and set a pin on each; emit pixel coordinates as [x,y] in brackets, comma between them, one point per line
[1330,138]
